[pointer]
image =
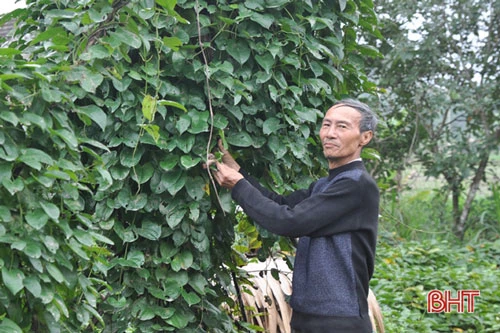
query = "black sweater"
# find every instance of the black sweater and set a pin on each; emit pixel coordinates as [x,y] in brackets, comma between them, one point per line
[336,219]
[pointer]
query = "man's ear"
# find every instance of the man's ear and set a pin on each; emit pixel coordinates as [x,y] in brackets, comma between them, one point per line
[366,137]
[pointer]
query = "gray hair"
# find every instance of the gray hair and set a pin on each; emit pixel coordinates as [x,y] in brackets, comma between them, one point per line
[368,120]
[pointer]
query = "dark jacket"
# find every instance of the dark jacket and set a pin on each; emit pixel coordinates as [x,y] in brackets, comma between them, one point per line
[336,219]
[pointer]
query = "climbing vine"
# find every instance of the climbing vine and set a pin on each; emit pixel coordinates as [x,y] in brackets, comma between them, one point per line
[108,221]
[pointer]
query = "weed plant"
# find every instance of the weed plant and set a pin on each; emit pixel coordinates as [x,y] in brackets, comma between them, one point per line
[406,270]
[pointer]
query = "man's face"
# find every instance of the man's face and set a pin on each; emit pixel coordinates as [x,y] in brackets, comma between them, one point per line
[340,136]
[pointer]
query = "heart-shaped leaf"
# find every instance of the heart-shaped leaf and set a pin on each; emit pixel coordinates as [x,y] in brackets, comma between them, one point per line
[13,279]
[37,218]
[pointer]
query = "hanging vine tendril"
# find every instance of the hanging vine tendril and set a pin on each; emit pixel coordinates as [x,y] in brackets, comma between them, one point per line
[209,95]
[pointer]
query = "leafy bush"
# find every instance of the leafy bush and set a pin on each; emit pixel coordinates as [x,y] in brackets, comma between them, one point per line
[407,270]
[417,214]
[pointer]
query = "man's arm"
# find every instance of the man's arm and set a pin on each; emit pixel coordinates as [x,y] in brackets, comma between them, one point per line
[326,213]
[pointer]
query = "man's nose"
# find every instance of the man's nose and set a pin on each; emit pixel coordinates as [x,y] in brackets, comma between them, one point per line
[331,132]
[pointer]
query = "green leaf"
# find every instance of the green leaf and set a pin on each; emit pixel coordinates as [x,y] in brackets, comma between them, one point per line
[94,313]
[96,52]
[183,123]
[188,162]
[9,151]
[7,51]
[13,76]
[174,181]
[175,217]
[271,125]
[149,107]
[5,215]
[370,154]
[198,283]
[136,257]
[167,250]
[48,34]
[51,210]
[343,4]
[137,202]
[185,142]
[172,103]
[131,157]
[33,285]
[127,37]
[169,5]
[9,117]
[238,50]
[83,237]
[266,61]
[54,271]
[101,238]
[147,312]
[150,230]
[190,297]
[220,122]
[35,157]
[94,143]
[143,173]
[127,235]
[119,172]
[370,51]
[195,187]
[153,130]
[277,147]
[77,248]
[199,122]
[265,20]
[88,79]
[307,114]
[30,118]
[37,218]
[182,260]
[13,186]
[95,113]
[51,243]
[240,139]
[172,42]
[61,305]
[13,279]
[8,326]
[32,249]
[180,319]
[169,162]
[67,136]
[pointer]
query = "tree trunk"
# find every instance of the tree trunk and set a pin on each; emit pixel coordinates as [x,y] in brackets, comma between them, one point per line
[460,224]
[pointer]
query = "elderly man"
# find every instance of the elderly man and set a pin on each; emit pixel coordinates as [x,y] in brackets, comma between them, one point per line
[335,220]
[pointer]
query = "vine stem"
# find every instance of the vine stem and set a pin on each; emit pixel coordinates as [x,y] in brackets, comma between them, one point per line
[209,95]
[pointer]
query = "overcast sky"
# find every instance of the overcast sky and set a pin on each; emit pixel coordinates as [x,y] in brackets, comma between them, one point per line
[9,5]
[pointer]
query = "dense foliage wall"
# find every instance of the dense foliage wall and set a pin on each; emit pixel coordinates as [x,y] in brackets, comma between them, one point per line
[108,221]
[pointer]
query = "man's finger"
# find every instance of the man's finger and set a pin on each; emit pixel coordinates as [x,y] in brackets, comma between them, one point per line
[221,147]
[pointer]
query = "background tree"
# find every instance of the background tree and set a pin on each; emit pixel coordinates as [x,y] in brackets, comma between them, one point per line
[109,108]
[441,72]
